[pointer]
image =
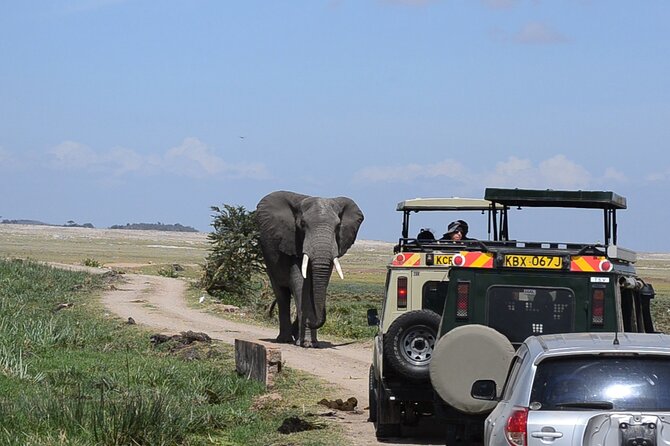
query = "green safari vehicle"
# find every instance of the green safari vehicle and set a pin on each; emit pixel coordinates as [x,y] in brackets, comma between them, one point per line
[503,290]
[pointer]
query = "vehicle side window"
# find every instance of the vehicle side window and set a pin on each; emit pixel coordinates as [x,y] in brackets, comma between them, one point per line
[513,374]
[433,296]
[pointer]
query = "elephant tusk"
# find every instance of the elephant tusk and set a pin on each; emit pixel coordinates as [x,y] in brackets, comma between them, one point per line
[305,262]
[338,268]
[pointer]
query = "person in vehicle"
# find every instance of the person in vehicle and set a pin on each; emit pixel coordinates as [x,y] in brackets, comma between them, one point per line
[456,231]
[425,235]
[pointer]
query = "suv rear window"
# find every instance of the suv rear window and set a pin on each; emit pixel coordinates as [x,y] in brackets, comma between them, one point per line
[519,312]
[628,382]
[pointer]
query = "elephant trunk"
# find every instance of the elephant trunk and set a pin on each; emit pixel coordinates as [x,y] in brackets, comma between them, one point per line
[320,275]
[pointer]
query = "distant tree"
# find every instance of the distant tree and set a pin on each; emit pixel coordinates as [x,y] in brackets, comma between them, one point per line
[177,227]
[234,255]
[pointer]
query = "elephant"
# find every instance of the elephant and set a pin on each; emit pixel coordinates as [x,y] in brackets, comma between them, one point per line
[301,239]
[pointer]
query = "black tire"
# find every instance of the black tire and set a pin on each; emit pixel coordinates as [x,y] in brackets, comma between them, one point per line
[385,410]
[372,396]
[409,343]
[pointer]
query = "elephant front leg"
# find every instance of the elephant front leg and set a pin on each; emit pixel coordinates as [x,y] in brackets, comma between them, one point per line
[309,339]
[286,332]
[306,335]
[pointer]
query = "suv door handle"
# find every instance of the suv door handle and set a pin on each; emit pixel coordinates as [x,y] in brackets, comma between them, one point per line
[547,435]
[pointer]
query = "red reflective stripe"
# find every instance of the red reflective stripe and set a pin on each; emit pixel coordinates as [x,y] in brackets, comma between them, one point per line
[586,263]
[407,259]
[477,259]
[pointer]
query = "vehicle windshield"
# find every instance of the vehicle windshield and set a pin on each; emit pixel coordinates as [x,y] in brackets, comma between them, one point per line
[519,312]
[603,382]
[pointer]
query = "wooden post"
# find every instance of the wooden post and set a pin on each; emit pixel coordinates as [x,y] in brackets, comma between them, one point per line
[257,361]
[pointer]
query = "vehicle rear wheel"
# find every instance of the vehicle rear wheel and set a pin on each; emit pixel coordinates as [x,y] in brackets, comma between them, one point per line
[409,343]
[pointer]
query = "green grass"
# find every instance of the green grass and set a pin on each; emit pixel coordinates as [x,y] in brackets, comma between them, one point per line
[73,377]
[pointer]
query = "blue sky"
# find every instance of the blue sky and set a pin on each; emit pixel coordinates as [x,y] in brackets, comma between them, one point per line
[117,111]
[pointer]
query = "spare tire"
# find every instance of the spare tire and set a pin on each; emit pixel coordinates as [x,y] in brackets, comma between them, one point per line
[409,343]
[464,355]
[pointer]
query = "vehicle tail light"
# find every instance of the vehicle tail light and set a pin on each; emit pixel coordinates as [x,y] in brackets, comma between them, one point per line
[462,300]
[401,297]
[598,307]
[605,266]
[516,429]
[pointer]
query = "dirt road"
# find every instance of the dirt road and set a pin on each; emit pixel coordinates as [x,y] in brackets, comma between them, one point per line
[158,302]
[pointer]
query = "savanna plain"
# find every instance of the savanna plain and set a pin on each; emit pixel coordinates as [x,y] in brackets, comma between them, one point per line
[73,374]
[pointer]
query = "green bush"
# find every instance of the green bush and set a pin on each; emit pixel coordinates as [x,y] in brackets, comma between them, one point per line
[167,271]
[235,257]
[91,262]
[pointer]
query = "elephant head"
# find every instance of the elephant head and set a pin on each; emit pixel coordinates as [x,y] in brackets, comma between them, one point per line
[313,233]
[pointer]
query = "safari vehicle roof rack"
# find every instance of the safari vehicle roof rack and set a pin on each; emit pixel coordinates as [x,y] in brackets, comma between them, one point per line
[608,201]
[441,204]
[444,204]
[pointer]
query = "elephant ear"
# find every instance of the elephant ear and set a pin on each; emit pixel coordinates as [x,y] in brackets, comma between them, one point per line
[351,218]
[276,217]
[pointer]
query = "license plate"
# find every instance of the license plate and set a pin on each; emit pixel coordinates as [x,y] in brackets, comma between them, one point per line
[548,262]
[442,260]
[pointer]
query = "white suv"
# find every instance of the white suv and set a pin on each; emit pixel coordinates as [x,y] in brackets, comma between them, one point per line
[583,389]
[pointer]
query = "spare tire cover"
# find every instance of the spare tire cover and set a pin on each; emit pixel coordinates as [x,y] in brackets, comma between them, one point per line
[464,355]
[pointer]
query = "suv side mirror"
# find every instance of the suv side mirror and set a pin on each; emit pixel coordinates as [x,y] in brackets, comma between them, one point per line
[484,389]
[373,317]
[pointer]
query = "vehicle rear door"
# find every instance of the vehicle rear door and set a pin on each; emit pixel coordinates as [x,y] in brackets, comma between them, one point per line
[563,428]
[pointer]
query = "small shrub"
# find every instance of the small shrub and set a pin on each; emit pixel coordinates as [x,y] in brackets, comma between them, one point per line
[167,271]
[235,256]
[91,262]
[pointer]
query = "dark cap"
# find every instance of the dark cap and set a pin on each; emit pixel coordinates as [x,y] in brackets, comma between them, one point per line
[458,225]
[453,227]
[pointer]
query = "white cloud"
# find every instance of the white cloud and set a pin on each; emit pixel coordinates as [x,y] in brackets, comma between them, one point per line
[557,172]
[4,156]
[72,155]
[125,160]
[195,158]
[655,177]
[410,2]
[75,6]
[538,33]
[410,172]
[612,174]
[561,173]
[500,4]
[192,158]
